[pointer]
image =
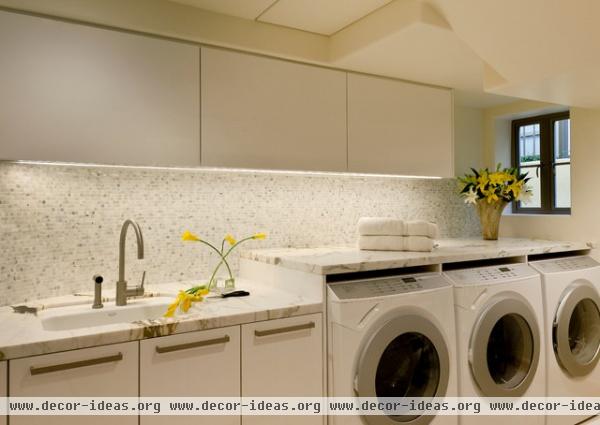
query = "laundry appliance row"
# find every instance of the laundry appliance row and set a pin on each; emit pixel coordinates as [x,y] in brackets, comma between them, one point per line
[509,330]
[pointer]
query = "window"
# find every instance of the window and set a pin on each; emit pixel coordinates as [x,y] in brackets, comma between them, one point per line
[542,150]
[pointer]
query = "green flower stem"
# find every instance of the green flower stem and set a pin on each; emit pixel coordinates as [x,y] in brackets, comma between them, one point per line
[224,260]
[220,253]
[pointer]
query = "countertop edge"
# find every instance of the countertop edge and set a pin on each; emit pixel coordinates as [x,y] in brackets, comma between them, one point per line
[302,263]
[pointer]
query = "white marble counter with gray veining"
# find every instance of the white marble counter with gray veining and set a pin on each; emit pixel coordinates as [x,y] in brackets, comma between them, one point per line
[335,260]
[23,334]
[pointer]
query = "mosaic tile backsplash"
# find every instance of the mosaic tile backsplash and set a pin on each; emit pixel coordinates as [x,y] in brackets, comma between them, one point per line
[60,224]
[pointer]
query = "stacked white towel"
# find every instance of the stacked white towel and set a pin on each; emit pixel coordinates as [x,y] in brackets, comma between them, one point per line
[393,234]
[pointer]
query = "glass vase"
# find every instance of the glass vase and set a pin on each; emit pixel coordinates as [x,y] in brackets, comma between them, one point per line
[490,214]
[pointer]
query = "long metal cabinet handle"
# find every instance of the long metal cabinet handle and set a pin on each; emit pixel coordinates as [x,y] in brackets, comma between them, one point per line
[74,365]
[268,332]
[189,345]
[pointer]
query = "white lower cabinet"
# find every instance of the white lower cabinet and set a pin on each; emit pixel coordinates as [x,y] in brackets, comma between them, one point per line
[3,387]
[283,357]
[274,358]
[109,371]
[195,364]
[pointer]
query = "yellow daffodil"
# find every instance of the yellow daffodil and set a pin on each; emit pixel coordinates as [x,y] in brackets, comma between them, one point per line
[189,236]
[499,185]
[492,197]
[497,178]
[175,305]
[185,299]
[186,303]
[482,181]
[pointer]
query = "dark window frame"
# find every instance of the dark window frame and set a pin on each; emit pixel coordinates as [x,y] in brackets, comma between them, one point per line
[547,161]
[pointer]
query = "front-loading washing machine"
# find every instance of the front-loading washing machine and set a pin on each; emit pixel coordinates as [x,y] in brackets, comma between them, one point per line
[392,337]
[499,316]
[571,287]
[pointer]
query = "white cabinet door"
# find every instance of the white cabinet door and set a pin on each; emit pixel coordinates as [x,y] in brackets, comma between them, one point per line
[399,128]
[76,93]
[259,112]
[195,364]
[107,371]
[283,357]
[3,387]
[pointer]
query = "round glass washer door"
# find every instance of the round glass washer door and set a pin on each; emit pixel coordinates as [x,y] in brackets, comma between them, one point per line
[406,357]
[505,348]
[576,330]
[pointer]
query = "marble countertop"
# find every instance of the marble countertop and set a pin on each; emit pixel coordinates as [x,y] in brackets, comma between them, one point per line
[335,260]
[23,334]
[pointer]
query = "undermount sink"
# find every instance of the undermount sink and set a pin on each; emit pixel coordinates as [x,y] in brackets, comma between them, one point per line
[66,318]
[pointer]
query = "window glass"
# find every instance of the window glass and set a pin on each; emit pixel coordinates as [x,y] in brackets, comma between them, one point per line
[562,163]
[529,161]
[542,151]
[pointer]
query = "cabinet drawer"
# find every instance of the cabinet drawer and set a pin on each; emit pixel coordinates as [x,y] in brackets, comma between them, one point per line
[195,364]
[107,371]
[283,357]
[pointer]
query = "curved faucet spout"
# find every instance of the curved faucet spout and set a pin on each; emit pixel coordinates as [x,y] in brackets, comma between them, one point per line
[121,283]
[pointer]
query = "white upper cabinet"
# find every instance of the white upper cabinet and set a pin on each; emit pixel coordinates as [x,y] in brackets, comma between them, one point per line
[77,93]
[396,127]
[266,113]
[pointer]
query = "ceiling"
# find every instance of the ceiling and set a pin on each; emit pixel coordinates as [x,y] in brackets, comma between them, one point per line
[489,50]
[324,17]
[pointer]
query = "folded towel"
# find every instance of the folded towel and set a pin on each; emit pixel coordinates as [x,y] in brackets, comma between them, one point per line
[382,226]
[395,243]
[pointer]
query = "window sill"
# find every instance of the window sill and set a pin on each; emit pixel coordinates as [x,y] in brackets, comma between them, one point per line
[535,215]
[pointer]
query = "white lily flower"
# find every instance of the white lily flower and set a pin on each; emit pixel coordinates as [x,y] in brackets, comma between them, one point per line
[470,197]
[526,194]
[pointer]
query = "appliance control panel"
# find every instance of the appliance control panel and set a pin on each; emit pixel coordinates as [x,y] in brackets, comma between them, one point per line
[566,264]
[385,286]
[491,274]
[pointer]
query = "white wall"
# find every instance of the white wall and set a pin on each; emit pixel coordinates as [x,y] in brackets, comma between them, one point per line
[468,139]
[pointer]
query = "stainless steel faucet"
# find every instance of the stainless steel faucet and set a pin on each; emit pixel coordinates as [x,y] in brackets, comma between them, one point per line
[122,291]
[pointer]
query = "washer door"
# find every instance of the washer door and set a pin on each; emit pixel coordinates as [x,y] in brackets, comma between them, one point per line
[505,348]
[406,357]
[576,330]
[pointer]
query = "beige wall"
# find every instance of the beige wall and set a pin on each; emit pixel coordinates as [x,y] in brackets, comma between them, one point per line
[468,139]
[583,223]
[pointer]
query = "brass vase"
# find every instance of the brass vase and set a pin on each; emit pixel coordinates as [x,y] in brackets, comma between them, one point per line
[489,216]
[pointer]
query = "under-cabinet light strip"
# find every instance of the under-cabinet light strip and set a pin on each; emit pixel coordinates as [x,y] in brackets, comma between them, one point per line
[224,169]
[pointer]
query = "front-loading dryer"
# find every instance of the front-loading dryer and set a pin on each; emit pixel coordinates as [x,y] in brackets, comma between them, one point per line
[392,337]
[571,289]
[499,316]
